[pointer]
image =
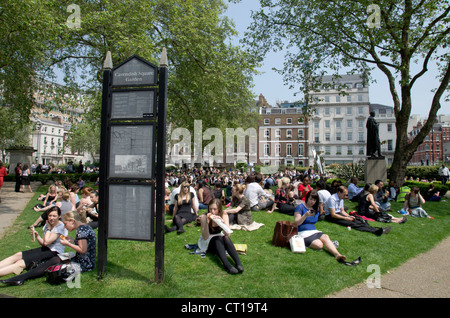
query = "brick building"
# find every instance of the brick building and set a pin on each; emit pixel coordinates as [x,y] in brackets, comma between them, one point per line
[282,134]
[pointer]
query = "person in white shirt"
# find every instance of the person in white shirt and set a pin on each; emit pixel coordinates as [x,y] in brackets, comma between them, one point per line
[335,213]
[444,173]
[324,195]
[259,199]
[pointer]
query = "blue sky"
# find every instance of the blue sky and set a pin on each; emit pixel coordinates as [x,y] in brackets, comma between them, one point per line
[271,85]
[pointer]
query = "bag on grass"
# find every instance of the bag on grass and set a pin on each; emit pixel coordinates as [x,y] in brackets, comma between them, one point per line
[283,232]
[297,244]
[61,273]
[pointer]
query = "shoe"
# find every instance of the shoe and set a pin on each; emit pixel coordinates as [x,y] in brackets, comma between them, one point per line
[180,231]
[12,282]
[240,268]
[386,230]
[232,270]
[379,231]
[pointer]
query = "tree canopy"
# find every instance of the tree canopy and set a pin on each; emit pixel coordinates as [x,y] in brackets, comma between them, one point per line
[362,35]
[209,78]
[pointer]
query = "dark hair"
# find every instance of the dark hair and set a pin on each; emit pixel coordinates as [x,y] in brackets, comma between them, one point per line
[313,194]
[54,208]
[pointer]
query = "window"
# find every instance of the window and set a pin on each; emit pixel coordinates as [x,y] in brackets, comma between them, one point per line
[327,150]
[338,109]
[267,133]
[327,99]
[300,149]
[266,121]
[316,124]
[360,110]
[349,123]
[360,123]
[349,110]
[267,150]
[277,121]
[277,149]
[360,98]
[327,136]
[390,145]
[361,137]
[289,133]
[300,133]
[316,137]
[349,98]
[389,127]
[326,111]
[338,99]
[289,121]
[277,133]
[289,150]
[338,150]
[338,124]
[349,136]
[349,150]
[327,124]
[338,136]
[361,150]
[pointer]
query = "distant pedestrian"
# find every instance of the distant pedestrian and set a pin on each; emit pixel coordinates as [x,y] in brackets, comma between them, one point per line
[18,173]
[3,173]
[444,173]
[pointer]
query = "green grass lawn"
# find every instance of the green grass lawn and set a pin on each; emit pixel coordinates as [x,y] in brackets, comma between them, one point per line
[270,272]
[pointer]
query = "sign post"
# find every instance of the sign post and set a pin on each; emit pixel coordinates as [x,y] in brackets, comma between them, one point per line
[132,139]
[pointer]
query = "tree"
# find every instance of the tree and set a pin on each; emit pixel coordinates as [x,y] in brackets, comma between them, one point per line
[209,79]
[335,34]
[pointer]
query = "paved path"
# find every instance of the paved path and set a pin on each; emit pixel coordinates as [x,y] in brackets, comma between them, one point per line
[426,276]
[13,203]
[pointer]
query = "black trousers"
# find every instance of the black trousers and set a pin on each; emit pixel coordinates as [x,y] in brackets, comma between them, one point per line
[220,245]
[359,224]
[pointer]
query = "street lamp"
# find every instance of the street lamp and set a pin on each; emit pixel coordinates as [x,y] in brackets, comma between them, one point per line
[38,127]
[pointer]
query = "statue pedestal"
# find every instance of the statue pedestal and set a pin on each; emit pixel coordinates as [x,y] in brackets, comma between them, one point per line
[20,154]
[375,169]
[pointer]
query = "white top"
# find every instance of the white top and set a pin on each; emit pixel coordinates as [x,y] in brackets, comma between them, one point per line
[333,203]
[56,246]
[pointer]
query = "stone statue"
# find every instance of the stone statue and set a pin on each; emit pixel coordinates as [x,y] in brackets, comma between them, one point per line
[373,138]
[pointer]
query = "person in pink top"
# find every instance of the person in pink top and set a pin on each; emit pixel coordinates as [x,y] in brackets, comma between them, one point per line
[3,173]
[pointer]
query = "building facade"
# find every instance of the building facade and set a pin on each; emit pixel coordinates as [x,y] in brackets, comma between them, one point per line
[337,127]
[432,149]
[282,134]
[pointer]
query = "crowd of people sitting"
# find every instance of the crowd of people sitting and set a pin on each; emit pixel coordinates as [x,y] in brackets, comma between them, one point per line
[229,198]
[61,211]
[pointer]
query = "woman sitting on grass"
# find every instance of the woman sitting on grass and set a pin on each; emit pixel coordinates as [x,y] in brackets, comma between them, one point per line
[84,245]
[185,209]
[306,216]
[50,197]
[413,204]
[214,240]
[50,246]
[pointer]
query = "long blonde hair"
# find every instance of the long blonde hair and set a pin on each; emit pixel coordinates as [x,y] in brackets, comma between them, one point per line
[181,193]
